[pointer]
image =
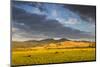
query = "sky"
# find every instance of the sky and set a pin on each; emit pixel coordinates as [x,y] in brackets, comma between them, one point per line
[38,21]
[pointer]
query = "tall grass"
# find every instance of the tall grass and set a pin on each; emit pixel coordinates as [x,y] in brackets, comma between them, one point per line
[45,56]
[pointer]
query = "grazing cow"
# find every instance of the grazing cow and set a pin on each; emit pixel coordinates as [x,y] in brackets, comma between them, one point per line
[56,52]
[29,56]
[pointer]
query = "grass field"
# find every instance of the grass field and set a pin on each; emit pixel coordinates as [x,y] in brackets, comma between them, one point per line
[47,56]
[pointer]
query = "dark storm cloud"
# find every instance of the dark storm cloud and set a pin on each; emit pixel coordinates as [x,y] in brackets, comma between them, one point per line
[87,13]
[33,25]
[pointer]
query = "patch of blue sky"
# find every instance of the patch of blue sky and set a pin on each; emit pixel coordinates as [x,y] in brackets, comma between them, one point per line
[28,8]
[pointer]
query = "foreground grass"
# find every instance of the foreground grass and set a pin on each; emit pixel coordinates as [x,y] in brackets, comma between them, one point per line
[46,56]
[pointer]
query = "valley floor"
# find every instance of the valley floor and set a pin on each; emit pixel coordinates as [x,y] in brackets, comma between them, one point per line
[49,56]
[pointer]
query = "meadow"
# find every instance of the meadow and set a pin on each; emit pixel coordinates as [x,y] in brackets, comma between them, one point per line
[34,56]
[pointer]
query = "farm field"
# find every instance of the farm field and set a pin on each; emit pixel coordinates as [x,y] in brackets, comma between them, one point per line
[35,56]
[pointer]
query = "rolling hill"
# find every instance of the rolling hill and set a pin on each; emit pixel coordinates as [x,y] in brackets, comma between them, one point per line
[51,43]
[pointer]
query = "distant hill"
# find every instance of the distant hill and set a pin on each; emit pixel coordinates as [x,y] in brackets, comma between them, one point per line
[52,43]
[34,43]
[46,41]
